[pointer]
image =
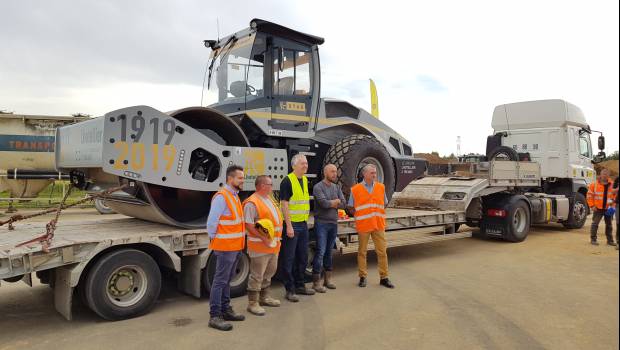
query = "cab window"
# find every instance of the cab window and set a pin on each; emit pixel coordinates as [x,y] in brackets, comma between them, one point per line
[292,75]
[585,148]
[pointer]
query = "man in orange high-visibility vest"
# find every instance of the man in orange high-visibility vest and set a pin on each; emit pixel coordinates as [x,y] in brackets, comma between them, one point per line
[263,250]
[367,202]
[227,239]
[600,198]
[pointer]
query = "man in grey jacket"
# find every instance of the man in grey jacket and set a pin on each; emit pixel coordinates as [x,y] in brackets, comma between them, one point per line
[328,199]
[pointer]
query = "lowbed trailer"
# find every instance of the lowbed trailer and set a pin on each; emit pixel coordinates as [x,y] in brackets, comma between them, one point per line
[114,265]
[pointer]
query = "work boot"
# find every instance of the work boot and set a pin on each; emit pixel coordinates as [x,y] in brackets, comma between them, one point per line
[292,297]
[304,290]
[362,282]
[253,306]
[316,283]
[218,323]
[593,242]
[230,315]
[328,280]
[386,283]
[266,300]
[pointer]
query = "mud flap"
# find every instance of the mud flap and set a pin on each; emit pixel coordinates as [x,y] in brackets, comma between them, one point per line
[63,292]
[191,273]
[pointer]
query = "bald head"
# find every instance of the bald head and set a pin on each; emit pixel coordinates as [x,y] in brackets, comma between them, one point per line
[330,173]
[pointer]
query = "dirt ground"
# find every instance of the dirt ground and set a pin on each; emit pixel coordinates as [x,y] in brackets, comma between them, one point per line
[553,291]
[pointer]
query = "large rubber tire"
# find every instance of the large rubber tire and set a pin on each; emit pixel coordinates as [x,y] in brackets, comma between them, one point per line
[102,208]
[578,212]
[504,153]
[517,221]
[142,288]
[349,154]
[238,284]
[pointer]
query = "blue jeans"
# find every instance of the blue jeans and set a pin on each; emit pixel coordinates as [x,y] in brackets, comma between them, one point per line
[294,256]
[325,239]
[219,298]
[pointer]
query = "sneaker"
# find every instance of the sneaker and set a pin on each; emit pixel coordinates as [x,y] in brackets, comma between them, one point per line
[611,243]
[219,324]
[594,242]
[304,291]
[292,297]
[362,282]
[386,283]
[231,315]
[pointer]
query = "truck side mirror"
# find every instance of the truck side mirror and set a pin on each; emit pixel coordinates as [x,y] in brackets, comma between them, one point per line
[601,142]
[280,58]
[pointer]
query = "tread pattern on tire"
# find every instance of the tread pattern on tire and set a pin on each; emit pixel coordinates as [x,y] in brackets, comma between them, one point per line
[337,155]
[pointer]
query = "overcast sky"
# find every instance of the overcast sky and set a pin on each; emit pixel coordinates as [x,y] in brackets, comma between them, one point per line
[440,66]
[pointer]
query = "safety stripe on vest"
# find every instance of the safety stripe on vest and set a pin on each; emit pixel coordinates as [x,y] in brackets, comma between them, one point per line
[229,235]
[299,202]
[294,212]
[274,214]
[370,205]
[367,216]
[258,240]
[230,222]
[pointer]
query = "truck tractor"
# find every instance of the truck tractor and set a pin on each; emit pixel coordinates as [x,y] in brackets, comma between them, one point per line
[265,86]
[538,168]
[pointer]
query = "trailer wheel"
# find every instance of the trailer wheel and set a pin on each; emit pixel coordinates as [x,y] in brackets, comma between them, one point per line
[517,222]
[102,208]
[122,284]
[352,153]
[578,212]
[239,282]
[504,153]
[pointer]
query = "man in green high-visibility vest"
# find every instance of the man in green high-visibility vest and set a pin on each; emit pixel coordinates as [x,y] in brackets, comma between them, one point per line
[295,202]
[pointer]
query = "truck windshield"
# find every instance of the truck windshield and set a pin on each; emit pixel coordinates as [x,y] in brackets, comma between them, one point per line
[233,74]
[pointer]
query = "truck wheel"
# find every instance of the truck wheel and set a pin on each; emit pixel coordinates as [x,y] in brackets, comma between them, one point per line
[517,222]
[578,212]
[123,284]
[504,153]
[239,282]
[352,153]
[102,208]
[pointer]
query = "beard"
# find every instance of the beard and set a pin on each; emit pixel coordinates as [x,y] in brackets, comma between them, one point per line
[238,187]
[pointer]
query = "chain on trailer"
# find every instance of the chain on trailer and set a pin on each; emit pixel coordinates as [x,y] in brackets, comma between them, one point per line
[50,227]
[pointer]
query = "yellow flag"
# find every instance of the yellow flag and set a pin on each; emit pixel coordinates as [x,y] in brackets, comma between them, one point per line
[374,100]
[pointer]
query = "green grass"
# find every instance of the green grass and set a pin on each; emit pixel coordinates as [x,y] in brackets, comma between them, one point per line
[53,191]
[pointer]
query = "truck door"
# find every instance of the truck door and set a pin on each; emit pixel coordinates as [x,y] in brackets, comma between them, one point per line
[292,82]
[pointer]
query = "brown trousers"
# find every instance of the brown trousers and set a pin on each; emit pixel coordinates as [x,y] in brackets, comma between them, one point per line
[262,269]
[378,239]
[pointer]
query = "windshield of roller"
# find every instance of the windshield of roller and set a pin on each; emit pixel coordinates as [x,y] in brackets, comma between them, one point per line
[234,74]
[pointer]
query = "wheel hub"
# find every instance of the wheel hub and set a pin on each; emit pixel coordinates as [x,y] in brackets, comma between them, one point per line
[121,283]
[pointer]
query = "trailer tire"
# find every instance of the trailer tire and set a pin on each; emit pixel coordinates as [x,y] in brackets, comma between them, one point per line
[239,282]
[352,152]
[102,208]
[578,213]
[505,153]
[517,221]
[122,284]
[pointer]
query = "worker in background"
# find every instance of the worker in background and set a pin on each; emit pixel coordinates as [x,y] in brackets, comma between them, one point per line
[601,201]
[227,239]
[616,187]
[295,202]
[263,224]
[328,199]
[367,203]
